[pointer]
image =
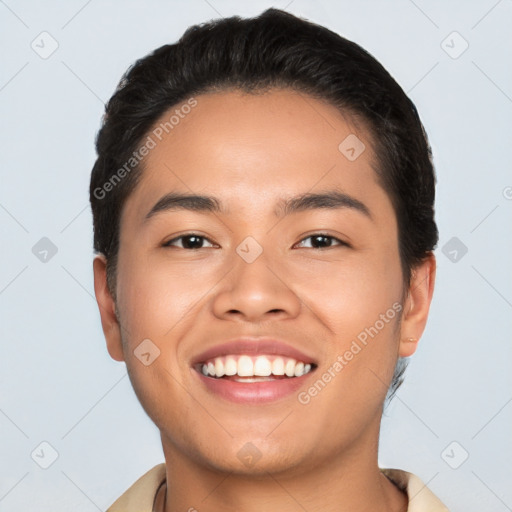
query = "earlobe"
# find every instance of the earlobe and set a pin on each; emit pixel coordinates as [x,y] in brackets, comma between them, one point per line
[408,346]
[417,305]
[106,305]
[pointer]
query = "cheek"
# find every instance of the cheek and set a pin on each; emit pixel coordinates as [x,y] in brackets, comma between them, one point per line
[350,294]
[155,295]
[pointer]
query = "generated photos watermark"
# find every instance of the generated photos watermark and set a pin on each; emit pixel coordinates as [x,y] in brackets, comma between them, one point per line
[342,360]
[152,140]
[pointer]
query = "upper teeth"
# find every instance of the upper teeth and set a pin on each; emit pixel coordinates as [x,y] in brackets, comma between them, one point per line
[250,366]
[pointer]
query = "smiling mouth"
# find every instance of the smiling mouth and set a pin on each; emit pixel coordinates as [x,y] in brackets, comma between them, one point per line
[261,368]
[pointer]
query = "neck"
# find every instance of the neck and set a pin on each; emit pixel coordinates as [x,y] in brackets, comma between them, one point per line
[342,482]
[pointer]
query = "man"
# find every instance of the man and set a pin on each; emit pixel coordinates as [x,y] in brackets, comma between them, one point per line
[264,226]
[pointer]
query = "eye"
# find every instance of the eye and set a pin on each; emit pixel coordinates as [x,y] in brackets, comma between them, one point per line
[323,241]
[189,241]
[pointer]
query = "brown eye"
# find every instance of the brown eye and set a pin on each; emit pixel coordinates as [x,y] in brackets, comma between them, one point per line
[190,241]
[322,241]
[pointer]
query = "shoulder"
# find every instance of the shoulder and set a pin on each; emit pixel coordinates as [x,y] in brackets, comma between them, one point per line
[421,498]
[140,496]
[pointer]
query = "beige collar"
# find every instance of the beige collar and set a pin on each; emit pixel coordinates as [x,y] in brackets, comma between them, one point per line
[421,498]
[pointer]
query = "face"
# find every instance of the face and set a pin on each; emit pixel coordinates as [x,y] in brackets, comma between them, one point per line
[270,311]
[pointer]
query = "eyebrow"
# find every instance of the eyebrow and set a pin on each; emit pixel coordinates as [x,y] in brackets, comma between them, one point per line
[330,199]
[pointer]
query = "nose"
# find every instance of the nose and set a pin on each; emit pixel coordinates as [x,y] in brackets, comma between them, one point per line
[255,292]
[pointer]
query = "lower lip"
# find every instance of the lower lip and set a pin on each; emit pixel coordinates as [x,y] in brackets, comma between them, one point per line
[253,392]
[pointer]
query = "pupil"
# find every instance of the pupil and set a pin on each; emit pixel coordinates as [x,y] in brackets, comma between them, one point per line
[192,245]
[324,238]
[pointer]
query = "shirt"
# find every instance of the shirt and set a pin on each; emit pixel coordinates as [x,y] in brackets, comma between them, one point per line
[141,495]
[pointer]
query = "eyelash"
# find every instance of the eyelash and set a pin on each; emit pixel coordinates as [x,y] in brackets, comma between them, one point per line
[324,235]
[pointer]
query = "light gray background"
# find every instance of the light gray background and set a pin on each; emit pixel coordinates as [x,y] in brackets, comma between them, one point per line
[57,382]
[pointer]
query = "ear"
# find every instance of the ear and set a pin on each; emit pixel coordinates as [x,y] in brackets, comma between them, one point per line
[106,304]
[417,305]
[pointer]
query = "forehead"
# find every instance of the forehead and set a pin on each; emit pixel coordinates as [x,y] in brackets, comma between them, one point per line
[255,148]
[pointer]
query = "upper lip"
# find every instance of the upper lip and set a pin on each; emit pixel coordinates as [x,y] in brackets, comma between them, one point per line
[253,346]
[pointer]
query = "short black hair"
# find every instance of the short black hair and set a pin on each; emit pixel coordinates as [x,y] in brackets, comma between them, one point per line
[273,50]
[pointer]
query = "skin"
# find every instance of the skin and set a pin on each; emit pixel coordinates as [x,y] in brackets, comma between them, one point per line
[250,151]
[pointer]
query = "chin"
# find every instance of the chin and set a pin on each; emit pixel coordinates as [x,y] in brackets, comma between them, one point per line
[255,457]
